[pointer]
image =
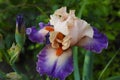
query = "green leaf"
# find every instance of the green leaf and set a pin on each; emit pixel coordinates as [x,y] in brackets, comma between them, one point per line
[13,76]
[99,78]
[8,40]
[14,2]
[2,47]
[82,8]
[113,78]
[14,53]
[1,42]
[110,36]
[2,75]
[5,54]
[1,57]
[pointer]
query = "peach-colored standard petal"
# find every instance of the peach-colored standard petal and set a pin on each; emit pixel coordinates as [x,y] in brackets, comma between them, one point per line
[70,25]
[81,29]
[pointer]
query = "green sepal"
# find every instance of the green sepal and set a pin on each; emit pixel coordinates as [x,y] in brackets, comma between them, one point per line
[20,39]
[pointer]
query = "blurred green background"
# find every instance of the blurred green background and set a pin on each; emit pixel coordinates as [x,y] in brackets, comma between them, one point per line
[102,14]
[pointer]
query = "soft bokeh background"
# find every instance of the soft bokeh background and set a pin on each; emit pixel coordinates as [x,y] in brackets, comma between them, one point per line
[102,14]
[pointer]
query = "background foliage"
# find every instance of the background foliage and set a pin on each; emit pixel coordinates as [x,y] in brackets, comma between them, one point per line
[102,14]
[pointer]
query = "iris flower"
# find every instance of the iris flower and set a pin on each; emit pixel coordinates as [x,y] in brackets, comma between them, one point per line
[63,31]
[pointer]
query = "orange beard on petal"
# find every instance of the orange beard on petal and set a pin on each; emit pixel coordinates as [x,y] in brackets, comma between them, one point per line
[49,28]
[59,51]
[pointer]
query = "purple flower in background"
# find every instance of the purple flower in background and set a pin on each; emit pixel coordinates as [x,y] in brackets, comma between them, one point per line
[64,31]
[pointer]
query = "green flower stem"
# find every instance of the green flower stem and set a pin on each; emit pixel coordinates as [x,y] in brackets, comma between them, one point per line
[87,67]
[47,78]
[75,61]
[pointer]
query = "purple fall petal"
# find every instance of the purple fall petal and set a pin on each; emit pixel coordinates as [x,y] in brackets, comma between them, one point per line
[101,38]
[34,35]
[42,25]
[95,44]
[38,35]
[55,66]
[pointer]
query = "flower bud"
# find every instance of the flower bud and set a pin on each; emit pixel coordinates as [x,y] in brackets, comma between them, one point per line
[20,31]
[20,24]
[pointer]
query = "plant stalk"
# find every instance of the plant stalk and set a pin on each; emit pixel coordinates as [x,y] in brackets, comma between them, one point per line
[75,61]
[88,66]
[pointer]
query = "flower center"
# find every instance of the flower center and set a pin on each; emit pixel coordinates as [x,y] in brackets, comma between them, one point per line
[56,39]
[59,41]
[60,36]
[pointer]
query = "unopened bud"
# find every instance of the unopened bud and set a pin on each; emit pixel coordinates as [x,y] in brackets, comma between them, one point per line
[20,31]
